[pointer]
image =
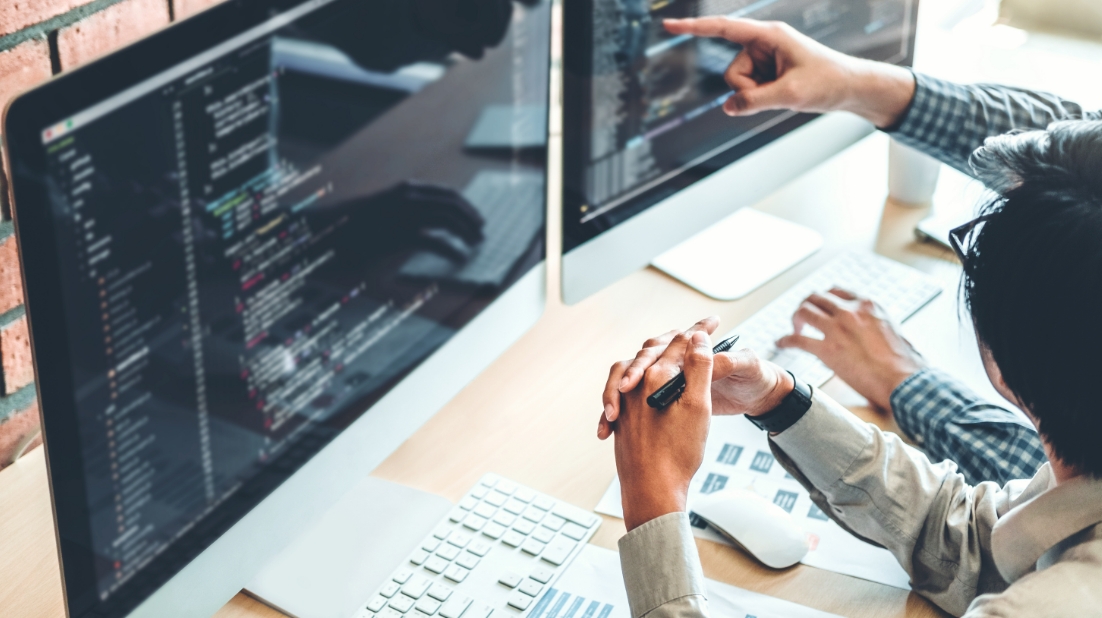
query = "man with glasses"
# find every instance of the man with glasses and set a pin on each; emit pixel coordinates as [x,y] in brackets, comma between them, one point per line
[1032,283]
[783,69]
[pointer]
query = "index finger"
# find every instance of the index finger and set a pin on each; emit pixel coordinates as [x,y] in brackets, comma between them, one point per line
[735,30]
[649,355]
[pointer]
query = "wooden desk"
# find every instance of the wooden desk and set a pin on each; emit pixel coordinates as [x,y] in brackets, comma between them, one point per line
[532,415]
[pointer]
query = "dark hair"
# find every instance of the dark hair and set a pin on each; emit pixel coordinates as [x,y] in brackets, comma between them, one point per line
[1033,280]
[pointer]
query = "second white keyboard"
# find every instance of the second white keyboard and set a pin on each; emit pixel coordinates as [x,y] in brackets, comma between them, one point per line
[900,290]
[495,555]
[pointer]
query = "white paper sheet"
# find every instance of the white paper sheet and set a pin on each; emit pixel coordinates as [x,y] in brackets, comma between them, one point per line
[738,455]
[593,587]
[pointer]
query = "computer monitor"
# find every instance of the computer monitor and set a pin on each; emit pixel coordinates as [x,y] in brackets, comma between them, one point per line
[258,254]
[649,156]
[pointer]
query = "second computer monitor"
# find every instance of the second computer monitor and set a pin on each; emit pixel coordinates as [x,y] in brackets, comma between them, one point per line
[649,156]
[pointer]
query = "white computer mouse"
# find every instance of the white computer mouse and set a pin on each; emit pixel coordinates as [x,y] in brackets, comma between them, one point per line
[755,524]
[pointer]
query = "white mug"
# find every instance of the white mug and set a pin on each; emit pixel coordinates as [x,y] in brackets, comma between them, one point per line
[912,176]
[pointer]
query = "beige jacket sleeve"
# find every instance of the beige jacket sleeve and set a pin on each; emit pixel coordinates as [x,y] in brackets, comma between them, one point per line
[662,569]
[870,482]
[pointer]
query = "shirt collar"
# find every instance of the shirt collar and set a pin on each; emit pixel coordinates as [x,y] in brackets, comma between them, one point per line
[1026,532]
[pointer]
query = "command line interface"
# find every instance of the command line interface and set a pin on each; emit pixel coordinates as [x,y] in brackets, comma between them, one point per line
[647,106]
[235,295]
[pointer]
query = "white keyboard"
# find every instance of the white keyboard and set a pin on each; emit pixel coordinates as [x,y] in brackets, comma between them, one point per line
[496,553]
[900,290]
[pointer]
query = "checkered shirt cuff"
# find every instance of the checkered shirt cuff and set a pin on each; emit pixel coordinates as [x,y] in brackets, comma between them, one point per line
[949,421]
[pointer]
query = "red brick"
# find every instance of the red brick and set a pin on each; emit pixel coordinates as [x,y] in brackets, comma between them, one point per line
[11,281]
[110,29]
[18,14]
[15,356]
[187,8]
[15,430]
[23,66]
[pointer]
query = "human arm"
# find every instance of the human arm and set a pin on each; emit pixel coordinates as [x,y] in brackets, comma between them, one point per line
[987,442]
[949,421]
[783,69]
[657,453]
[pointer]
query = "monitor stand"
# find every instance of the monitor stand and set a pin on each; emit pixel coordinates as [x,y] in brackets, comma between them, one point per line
[739,254]
[331,568]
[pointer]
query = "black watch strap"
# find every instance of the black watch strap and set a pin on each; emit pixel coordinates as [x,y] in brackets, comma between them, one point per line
[792,408]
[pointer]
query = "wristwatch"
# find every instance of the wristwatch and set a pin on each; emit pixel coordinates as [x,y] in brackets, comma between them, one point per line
[791,409]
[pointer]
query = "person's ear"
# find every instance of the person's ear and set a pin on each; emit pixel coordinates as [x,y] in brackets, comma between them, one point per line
[995,375]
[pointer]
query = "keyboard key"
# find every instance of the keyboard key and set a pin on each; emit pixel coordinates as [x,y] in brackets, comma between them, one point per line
[525,495]
[436,564]
[474,522]
[440,592]
[456,573]
[553,522]
[484,510]
[457,515]
[524,527]
[401,603]
[419,557]
[494,531]
[558,552]
[576,515]
[479,610]
[532,546]
[467,560]
[363,613]
[468,503]
[442,532]
[514,506]
[389,589]
[542,574]
[489,480]
[496,498]
[459,539]
[543,535]
[544,503]
[378,603]
[427,606]
[520,600]
[416,587]
[530,587]
[455,606]
[430,545]
[479,548]
[480,492]
[504,518]
[448,552]
[533,514]
[513,538]
[574,531]
[389,612]
[510,580]
[402,575]
[506,487]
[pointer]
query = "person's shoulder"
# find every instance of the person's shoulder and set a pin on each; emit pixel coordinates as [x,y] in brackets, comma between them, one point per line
[1067,588]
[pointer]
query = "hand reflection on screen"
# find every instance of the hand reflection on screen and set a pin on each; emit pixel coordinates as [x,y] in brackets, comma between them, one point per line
[409,214]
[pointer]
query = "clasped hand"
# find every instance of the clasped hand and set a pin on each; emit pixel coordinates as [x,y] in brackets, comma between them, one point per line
[659,451]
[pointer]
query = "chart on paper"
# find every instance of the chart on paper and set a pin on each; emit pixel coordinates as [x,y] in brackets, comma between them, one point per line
[738,456]
[593,587]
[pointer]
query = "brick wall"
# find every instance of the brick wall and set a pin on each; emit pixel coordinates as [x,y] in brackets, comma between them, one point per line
[39,38]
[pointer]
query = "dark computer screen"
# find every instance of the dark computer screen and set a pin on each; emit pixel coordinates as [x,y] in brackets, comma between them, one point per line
[643,114]
[257,244]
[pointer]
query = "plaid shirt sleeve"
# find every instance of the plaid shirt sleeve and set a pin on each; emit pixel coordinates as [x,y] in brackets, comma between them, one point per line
[987,442]
[950,121]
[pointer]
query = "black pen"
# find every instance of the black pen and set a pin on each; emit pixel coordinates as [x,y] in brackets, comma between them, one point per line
[671,390]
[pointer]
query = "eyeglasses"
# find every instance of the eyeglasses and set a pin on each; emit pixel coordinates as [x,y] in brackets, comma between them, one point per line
[960,238]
